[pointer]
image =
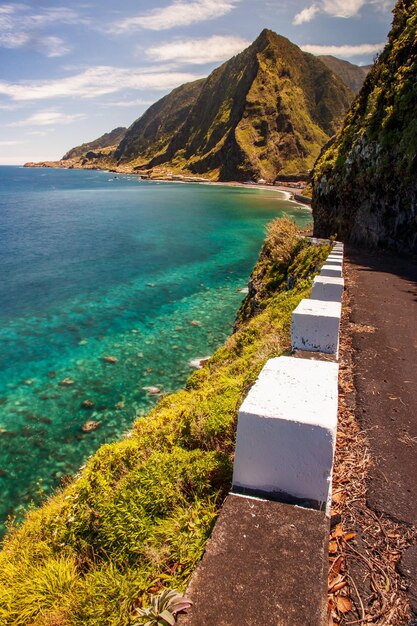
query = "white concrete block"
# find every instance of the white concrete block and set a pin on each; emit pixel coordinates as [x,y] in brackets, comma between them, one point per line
[327,288]
[331,270]
[315,326]
[334,262]
[287,430]
[335,255]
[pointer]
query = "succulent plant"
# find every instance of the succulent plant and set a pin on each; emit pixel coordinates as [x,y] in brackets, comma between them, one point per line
[163,610]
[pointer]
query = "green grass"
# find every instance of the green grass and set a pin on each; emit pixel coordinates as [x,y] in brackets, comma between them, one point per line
[137,517]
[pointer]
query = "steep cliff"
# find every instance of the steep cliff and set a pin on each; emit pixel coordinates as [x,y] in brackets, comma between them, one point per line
[364,183]
[265,112]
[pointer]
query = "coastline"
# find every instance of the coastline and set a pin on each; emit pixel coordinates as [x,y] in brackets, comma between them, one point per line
[287,195]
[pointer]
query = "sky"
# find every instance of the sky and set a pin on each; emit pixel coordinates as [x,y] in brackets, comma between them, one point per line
[71,71]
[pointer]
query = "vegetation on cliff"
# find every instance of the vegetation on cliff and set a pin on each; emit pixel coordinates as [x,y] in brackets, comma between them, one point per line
[137,517]
[365,186]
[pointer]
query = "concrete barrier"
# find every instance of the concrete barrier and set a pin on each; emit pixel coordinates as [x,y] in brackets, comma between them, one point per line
[315,326]
[285,444]
[328,289]
[331,270]
[287,430]
[334,262]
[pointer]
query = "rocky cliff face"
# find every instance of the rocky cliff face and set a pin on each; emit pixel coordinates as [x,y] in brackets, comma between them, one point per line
[365,183]
[267,111]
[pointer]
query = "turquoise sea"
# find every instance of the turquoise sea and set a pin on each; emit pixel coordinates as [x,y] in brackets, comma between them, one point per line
[96,265]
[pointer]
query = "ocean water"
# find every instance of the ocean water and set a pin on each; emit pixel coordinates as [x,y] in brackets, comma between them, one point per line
[95,265]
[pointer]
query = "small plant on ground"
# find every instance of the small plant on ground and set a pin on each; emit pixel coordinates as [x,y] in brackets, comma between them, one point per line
[163,610]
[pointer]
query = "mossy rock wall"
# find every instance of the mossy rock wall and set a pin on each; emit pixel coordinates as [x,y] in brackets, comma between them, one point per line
[365,183]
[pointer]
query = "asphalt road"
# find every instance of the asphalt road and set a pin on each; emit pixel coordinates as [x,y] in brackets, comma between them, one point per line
[383,294]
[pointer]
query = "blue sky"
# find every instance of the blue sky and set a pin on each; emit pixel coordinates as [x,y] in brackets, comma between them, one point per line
[70,71]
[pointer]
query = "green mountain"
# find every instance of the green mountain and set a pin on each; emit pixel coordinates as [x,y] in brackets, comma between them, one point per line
[105,141]
[266,112]
[152,132]
[352,75]
[364,183]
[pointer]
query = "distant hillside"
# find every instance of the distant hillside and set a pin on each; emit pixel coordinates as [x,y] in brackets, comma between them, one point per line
[365,185]
[352,75]
[266,112]
[152,132]
[105,141]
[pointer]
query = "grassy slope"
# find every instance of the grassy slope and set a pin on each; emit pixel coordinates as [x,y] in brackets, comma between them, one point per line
[139,513]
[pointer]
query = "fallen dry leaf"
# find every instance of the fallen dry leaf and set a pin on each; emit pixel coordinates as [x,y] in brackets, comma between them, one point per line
[344,604]
[333,547]
[337,583]
[349,536]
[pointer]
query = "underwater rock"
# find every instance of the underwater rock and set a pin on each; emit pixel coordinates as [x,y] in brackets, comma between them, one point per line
[66,382]
[153,391]
[28,381]
[90,425]
[120,405]
[87,404]
[51,374]
[195,323]
[110,359]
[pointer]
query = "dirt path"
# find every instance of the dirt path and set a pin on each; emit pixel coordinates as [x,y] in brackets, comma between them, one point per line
[383,297]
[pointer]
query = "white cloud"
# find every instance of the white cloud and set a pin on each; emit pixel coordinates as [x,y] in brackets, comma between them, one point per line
[19,27]
[198,51]
[306,15]
[47,118]
[54,46]
[93,82]
[344,51]
[178,13]
[338,8]
[9,143]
